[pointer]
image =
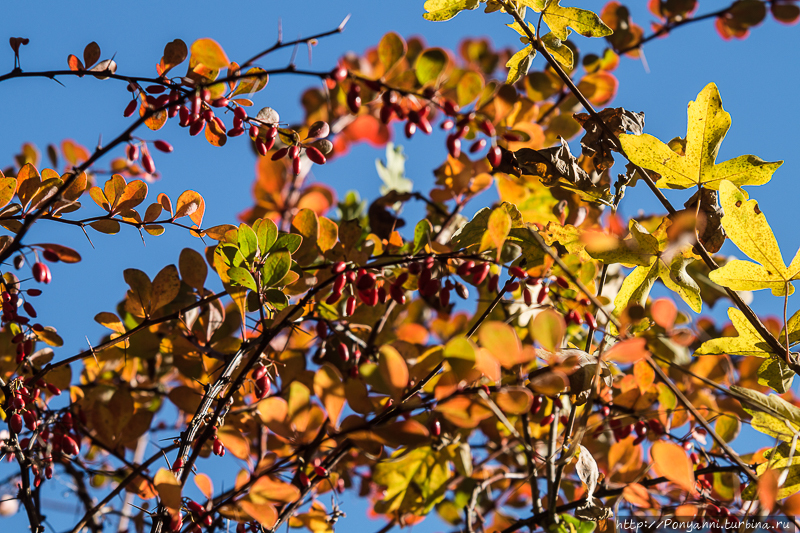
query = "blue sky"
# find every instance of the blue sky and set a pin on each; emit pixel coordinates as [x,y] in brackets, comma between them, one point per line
[757,78]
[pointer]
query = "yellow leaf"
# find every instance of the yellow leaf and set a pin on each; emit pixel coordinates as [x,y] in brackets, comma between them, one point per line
[209,53]
[747,227]
[708,124]
[168,488]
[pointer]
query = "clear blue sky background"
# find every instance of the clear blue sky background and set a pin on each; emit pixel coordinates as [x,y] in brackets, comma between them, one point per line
[758,80]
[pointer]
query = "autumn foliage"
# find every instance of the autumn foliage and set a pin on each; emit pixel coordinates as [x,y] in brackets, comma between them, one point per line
[502,372]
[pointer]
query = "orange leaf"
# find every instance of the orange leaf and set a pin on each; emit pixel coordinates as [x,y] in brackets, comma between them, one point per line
[664,313]
[670,461]
[264,513]
[329,388]
[190,204]
[393,369]
[205,485]
[629,351]
[768,489]
[637,495]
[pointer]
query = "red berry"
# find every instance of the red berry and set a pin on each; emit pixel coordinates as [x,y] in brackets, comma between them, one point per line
[450,108]
[218,448]
[15,423]
[220,102]
[590,320]
[494,281]
[477,146]
[41,273]
[464,268]
[147,163]
[280,154]
[315,155]
[410,129]
[197,126]
[454,146]
[436,428]
[350,306]
[304,481]
[344,353]
[397,294]
[487,128]
[542,294]
[536,404]
[262,386]
[527,295]
[365,281]
[546,421]
[479,273]
[494,156]
[69,446]
[425,125]
[338,267]
[29,309]
[130,108]
[132,152]
[339,73]
[163,146]
[354,101]
[320,471]
[517,272]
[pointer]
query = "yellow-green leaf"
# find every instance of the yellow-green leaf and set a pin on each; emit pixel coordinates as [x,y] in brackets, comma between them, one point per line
[519,64]
[430,65]
[708,124]
[560,51]
[438,10]
[391,49]
[585,22]
[497,230]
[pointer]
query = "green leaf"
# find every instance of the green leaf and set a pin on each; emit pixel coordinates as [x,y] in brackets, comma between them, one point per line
[287,241]
[415,480]
[585,22]
[422,235]
[708,124]
[772,414]
[471,233]
[267,234]
[519,64]
[276,298]
[439,10]
[275,268]
[430,65]
[242,276]
[391,49]
[747,227]
[248,242]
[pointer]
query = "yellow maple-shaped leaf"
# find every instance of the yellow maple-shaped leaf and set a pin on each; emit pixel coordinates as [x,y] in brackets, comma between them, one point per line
[708,124]
[747,227]
[773,372]
[583,21]
[656,258]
